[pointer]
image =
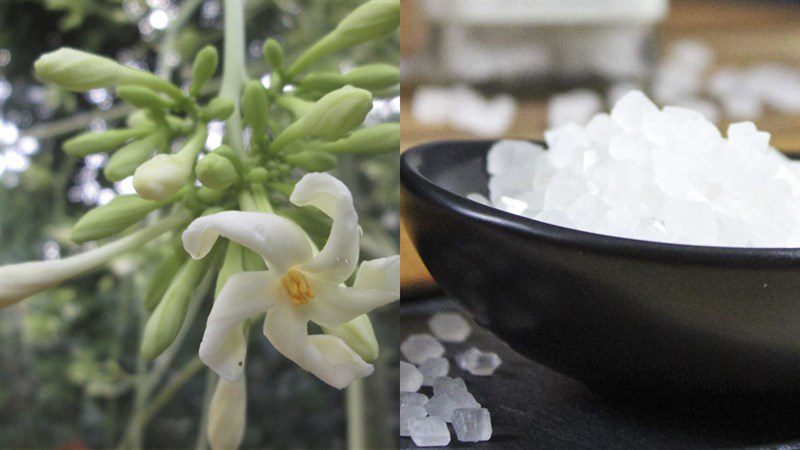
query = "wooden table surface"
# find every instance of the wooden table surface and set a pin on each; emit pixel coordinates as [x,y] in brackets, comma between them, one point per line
[741,33]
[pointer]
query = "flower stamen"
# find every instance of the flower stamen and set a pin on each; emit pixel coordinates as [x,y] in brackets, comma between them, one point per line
[297,287]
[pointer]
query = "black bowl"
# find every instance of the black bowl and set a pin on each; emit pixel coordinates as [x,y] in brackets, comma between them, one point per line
[635,319]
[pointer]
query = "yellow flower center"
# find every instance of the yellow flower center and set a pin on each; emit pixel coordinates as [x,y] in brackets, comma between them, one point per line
[297,287]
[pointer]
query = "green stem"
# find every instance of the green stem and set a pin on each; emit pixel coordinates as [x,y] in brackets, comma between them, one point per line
[164,69]
[356,432]
[186,373]
[233,70]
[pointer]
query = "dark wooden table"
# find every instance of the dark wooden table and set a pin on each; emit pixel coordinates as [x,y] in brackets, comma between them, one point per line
[533,407]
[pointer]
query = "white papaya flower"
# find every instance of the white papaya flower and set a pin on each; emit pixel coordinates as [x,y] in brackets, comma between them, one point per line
[297,287]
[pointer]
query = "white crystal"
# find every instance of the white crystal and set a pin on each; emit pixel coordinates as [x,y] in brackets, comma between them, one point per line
[449,327]
[447,385]
[472,424]
[410,377]
[419,347]
[413,398]
[433,368]
[408,412]
[442,405]
[662,175]
[464,108]
[428,431]
[577,106]
[477,362]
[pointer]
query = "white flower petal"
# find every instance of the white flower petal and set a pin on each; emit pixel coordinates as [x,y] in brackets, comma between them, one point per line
[281,242]
[327,357]
[377,283]
[338,259]
[244,295]
[227,415]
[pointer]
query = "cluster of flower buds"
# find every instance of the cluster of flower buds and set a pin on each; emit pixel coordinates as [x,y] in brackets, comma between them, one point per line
[291,132]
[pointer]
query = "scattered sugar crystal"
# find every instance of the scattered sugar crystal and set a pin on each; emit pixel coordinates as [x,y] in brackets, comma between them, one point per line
[410,377]
[419,347]
[660,175]
[428,431]
[472,424]
[432,368]
[447,385]
[408,412]
[477,362]
[449,327]
[577,106]
[464,108]
[442,405]
[413,398]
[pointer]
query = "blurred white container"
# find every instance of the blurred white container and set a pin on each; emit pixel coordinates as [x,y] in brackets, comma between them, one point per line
[483,40]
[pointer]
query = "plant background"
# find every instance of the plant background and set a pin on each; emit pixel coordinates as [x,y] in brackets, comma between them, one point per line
[68,356]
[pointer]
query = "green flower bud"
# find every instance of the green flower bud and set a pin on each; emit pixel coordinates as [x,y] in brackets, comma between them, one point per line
[136,119]
[273,53]
[80,71]
[373,77]
[208,195]
[232,264]
[142,97]
[112,218]
[252,261]
[297,106]
[359,335]
[382,138]
[162,277]
[255,108]
[164,175]
[204,67]
[369,21]
[312,161]
[88,143]
[256,175]
[332,117]
[216,172]
[167,319]
[217,109]
[161,176]
[124,161]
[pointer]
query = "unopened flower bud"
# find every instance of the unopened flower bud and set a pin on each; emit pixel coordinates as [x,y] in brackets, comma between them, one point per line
[162,277]
[227,415]
[216,172]
[332,117]
[204,67]
[359,335]
[164,175]
[167,319]
[124,161]
[88,143]
[115,216]
[218,109]
[161,176]
[80,71]
[369,21]
[273,53]
[255,107]
[382,138]
[312,161]
[373,77]
[142,97]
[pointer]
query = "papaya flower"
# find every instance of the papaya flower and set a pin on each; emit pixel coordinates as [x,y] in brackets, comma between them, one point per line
[299,286]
